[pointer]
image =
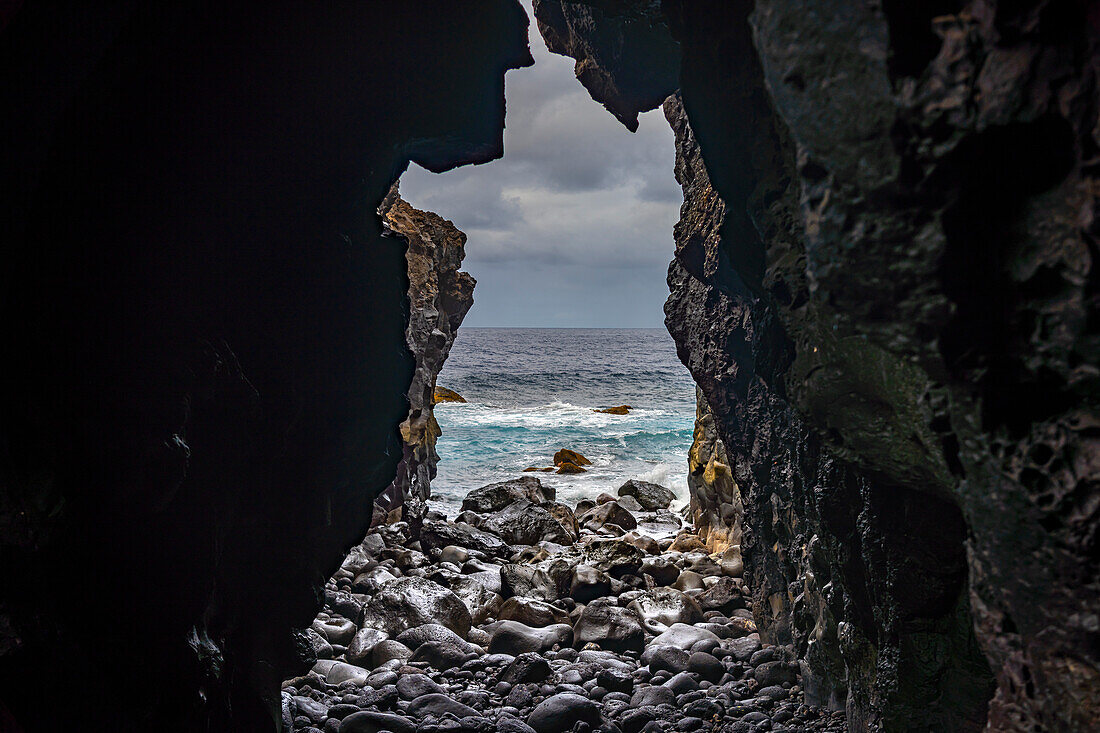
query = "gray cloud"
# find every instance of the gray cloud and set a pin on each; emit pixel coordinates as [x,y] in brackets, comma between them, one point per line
[573,226]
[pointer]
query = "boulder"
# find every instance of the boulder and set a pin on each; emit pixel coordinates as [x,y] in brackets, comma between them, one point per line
[479,600]
[612,627]
[661,569]
[409,602]
[568,467]
[443,655]
[526,668]
[532,612]
[525,523]
[438,705]
[336,673]
[494,497]
[610,512]
[651,496]
[660,608]
[512,637]
[358,651]
[570,456]
[531,581]
[412,686]
[435,535]
[372,722]
[667,658]
[562,712]
[683,636]
[442,394]
[618,410]
[588,584]
[388,650]
[413,638]
[613,556]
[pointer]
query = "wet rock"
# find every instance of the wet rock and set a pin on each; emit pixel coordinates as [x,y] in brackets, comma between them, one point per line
[336,673]
[435,535]
[663,570]
[525,523]
[776,673]
[495,497]
[683,636]
[589,584]
[617,410]
[439,704]
[442,394]
[607,513]
[531,582]
[611,627]
[388,650]
[567,467]
[481,602]
[532,612]
[566,455]
[613,556]
[409,602]
[653,695]
[358,651]
[658,609]
[562,712]
[665,657]
[744,648]
[374,722]
[413,638]
[526,668]
[651,496]
[706,666]
[442,655]
[512,637]
[412,686]
[335,630]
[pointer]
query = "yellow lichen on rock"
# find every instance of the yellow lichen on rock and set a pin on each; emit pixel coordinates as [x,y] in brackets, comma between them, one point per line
[442,394]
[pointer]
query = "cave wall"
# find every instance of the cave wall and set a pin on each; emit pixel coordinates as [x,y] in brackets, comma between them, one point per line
[440,296]
[884,286]
[205,330]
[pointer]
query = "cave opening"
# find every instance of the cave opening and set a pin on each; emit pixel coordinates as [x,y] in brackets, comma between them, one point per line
[563,487]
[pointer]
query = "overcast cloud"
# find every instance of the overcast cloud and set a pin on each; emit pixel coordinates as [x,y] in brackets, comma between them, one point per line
[573,227]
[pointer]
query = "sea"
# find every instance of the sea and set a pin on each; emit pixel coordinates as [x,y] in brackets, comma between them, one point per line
[533,391]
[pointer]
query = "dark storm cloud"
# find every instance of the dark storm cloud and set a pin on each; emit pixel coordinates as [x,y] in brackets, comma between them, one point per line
[574,225]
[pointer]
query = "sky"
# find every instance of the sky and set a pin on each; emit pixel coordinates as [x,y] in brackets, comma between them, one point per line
[573,226]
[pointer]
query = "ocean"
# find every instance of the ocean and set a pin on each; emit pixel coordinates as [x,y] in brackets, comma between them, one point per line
[531,392]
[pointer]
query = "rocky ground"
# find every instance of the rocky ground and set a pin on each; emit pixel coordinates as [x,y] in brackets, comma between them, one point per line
[524,614]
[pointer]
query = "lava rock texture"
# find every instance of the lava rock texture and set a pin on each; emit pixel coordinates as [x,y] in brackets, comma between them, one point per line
[885,286]
[440,296]
[205,324]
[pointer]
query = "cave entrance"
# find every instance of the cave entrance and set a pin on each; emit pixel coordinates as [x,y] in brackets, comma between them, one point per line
[555,445]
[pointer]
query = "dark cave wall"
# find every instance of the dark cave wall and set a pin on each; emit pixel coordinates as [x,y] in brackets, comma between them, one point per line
[206,330]
[884,285]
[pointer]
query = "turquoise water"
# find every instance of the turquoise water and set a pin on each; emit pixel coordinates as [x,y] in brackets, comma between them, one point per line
[532,391]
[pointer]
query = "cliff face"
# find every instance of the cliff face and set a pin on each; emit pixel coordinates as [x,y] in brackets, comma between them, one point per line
[884,286]
[206,330]
[440,296]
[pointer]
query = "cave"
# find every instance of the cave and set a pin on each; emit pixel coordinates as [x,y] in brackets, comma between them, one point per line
[883,284]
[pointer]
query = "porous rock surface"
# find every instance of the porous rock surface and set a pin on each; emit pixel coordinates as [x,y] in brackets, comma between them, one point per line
[440,295]
[884,287]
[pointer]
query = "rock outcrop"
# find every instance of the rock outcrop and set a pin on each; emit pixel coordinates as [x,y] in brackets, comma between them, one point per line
[205,323]
[715,500]
[885,288]
[440,296]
